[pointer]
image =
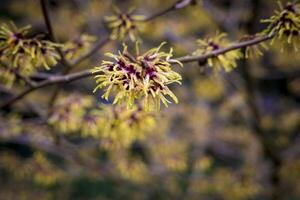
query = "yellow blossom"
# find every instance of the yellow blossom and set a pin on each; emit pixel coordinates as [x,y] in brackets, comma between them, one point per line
[68,113]
[226,61]
[285,24]
[23,54]
[75,48]
[123,24]
[120,127]
[144,76]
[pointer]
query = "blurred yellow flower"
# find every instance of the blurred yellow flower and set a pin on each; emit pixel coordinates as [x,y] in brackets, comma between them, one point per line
[209,88]
[124,24]
[285,24]
[78,47]
[68,113]
[120,127]
[226,61]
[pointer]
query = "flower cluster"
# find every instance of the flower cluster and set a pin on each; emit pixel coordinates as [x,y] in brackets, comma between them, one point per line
[285,24]
[171,153]
[130,168]
[7,77]
[209,88]
[91,124]
[226,61]
[75,48]
[22,50]
[37,169]
[11,125]
[68,113]
[145,76]
[115,126]
[43,171]
[120,126]
[123,24]
[24,54]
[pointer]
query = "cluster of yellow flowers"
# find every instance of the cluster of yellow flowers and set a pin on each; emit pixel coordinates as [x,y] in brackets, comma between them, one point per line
[22,53]
[38,168]
[145,76]
[209,88]
[226,61]
[171,154]
[123,24]
[285,24]
[7,76]
[75,48]
[134,170]
[115,126]
[233,188]
[68,113]
[47,173]
[120,126]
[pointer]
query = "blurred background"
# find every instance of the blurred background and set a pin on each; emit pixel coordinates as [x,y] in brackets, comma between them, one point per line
[233,136]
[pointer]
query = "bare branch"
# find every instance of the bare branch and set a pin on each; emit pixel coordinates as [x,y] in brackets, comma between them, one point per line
[86,73]
[27,80]
[177,5]
[92,51]
[47,20]
[235,46]
[51,81]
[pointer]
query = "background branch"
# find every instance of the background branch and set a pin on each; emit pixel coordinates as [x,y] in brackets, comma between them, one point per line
[235,46]
[51,81]
[86,73]
[177,5]
[27,80]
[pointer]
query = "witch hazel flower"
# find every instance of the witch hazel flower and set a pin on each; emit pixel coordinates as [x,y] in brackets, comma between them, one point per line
[285,24]
[145,77]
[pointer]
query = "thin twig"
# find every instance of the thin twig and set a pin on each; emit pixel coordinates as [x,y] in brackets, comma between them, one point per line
[27,80]
[51,81]
[235,46]
[47,20]
[177,5]
[40,76]
[67,151]
[92,51]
